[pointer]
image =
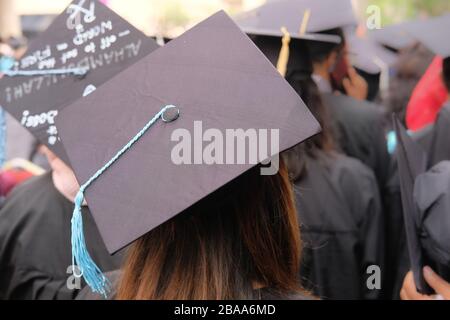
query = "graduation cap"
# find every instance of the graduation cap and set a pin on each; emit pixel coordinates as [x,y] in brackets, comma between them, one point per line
[368,56]
[412,162]
[372,61]
[295,24]
[433,33]
[84,47]
[394,36]
[270,18]
[213,73]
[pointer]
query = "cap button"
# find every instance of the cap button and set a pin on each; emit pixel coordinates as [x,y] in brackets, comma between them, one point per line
[171,113]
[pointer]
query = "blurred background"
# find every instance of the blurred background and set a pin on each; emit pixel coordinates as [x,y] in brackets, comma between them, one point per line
[169,18]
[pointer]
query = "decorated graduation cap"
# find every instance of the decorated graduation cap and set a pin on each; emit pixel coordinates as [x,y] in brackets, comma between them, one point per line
[123,154]
[84,47]
[422,226]
[433,33]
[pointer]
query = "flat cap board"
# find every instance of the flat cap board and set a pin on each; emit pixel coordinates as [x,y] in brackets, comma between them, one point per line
[214,74]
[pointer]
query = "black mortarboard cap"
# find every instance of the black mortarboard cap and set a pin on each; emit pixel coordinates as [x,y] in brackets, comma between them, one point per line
[269,18]
[212,73]
[433,34]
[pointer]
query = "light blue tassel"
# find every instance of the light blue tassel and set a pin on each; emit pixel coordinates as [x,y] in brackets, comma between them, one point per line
[80,256]
[391,138]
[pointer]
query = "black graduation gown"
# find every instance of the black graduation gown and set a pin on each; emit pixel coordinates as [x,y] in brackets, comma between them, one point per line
[358,128]
[35,244]
[397,259]
[432,198]
[341,225]
[439,149]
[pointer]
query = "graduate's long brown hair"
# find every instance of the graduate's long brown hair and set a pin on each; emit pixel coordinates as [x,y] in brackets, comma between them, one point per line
[243,237]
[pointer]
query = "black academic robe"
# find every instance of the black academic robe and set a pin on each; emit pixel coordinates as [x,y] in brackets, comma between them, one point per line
[439,149]
[358,128]
[35,244]
[341,221]
[397,259]
[431,139]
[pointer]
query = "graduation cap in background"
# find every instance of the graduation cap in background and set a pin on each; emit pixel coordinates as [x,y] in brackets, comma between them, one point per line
[269,18]
[412,162]
[433,33]
[289,15]
[282,28]
[372,61]
[395,36]
[368,56]
[84,47]
[212,73]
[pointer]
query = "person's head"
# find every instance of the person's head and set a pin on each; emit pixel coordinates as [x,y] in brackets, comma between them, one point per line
[325,56]
[446,73]
[242,237]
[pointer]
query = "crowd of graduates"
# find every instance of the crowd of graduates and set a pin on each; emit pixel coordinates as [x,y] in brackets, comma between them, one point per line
[358,208]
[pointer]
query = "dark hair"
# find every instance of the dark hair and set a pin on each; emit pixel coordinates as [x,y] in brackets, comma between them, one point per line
[446,72]
[299,77]
[244,235]
[320,51]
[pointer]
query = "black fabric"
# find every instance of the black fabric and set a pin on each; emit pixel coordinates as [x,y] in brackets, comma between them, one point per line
[358,129]
[440,144]
[411,160]
[341,225]
[35,252]
[397,260]
[432,197]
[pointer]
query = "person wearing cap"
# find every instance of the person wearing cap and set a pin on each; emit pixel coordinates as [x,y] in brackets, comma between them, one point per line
[357,125]
[433,139]
[351,216]
[209,230]
[426,201]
